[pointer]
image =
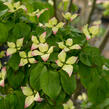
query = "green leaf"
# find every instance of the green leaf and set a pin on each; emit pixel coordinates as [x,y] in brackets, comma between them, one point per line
[60,98]
[68,83]
[13,101]
[2,6]
[3,33]
[90,56]
[50,83]
[93,80]
[99,90]
[15,79]
[103,105]
[35,73]
[85,59]
[47,106]
[10,101]
[47,14]
[70,32]
[42,106]
[3,9]
[34,5]
[85,74]
[3,12]
[39,30]
[74,8]
[58,107]
[20,30]
[14,61]
[20,96]
[88,75]
[2,104]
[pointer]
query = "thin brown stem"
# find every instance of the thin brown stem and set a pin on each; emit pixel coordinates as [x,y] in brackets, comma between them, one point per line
[55,9]
[104,40]
[77,92]
[91,12]
[83,14]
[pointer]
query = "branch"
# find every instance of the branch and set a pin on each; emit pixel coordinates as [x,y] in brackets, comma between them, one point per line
[70,6]
[78,91]
[91,12]
[83,14]
[55,9]
[104,40]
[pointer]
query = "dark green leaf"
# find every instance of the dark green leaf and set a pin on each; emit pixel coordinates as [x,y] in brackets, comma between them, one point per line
[88,75]
[97,92]
[2,6]
[90,56]
[2,106]
[60,98]
[15,79]
[50,83]
[35,73]
[20,96]
[68,83]
[20,30]
[3,33]
[42,106]
[14,61]
[58,107]
[10,101]
[3,9]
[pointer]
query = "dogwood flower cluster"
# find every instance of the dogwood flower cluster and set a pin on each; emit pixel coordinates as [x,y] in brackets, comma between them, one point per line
[37,12]
[69,16]
[82,97]
[2,76]
[53,23]
[14,47]
[69,105]
[37,40]
[26,58]
[40,47]
[68,45]
[15,6]
[104,67]
[91,32]
[31,96]
[2,54]
[66,64]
